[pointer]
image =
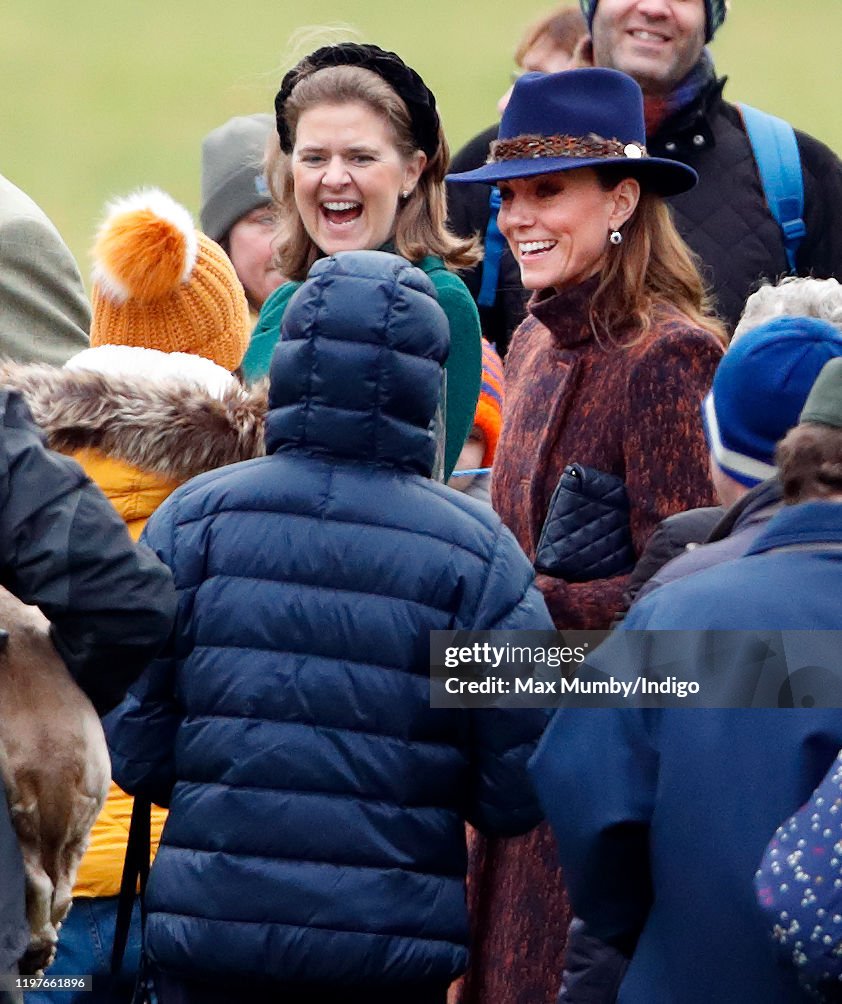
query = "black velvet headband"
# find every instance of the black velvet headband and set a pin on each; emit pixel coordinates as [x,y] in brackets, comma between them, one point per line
[406,83]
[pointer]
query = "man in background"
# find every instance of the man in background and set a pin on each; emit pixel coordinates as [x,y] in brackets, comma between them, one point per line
[725,219]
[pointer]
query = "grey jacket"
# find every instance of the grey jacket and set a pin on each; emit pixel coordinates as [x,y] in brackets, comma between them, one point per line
[44,312]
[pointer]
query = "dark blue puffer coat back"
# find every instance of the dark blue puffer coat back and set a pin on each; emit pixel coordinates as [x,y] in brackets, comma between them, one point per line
[316,835]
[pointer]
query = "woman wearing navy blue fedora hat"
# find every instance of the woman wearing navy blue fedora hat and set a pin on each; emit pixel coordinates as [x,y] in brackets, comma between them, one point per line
[607,370]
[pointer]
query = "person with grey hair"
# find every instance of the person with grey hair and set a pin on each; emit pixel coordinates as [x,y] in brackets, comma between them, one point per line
[237,205]
[758,392]
[793,296]
[698,538]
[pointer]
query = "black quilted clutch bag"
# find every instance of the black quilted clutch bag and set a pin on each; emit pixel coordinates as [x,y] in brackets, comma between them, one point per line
[586,534]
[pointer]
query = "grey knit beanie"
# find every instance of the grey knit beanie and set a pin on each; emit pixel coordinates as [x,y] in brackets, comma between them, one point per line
[715,10]
[232,172]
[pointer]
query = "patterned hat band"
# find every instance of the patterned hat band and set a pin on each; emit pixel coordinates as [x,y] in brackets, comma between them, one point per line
[532,147]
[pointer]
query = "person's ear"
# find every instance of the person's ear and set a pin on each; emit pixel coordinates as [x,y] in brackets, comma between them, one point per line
[413,169]
[625,198]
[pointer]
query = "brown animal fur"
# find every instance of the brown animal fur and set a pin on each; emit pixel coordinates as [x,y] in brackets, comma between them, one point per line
[169,427]
[55,766]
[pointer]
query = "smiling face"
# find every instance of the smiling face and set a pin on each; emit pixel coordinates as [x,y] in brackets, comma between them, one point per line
[557,225]
[657,42]
[348,176]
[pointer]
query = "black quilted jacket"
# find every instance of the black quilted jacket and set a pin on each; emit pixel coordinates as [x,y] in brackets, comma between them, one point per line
[724,218]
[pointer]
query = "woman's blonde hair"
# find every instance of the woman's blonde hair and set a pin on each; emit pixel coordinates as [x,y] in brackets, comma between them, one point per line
[651,266]
[420,219]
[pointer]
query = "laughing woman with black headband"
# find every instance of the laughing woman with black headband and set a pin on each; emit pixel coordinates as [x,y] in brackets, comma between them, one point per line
[360,165]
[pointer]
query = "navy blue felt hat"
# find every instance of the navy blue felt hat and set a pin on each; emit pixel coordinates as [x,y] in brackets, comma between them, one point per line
[573,119]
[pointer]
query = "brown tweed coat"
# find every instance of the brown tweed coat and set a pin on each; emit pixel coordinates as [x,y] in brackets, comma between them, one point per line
[633,412]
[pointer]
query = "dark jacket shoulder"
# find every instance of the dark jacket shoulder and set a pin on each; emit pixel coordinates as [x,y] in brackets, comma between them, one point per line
[725,218]
[730,536]
[64,548]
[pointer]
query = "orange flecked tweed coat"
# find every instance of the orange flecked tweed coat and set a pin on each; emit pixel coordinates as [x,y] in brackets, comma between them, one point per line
[632,410]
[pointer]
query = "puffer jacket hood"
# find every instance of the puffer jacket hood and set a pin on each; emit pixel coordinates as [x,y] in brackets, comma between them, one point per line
[358,371]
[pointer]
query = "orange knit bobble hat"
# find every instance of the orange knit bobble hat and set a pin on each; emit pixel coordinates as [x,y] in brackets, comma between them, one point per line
[489,413]
[159,283]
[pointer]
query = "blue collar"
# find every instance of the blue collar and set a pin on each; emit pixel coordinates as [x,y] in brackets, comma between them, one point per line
[807,523]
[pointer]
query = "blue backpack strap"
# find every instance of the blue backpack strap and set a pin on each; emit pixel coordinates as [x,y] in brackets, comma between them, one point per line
[778,161]
[494,244]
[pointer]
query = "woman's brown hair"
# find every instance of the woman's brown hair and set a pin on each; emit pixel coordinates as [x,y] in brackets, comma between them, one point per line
[562,28]
[420,219]
[652,265]
[809,460]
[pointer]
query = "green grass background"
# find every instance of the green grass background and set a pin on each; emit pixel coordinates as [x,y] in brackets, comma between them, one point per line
[97,98]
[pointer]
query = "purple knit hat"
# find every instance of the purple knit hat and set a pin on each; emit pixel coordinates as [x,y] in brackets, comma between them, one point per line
[715,9]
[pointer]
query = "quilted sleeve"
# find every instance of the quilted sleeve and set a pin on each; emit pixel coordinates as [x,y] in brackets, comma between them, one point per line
[820,253]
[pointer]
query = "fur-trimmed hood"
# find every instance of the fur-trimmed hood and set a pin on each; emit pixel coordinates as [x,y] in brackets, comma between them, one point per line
[172,424]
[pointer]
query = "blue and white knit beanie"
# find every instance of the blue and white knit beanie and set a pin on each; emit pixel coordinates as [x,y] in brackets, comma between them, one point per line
[759,390]
[715,9]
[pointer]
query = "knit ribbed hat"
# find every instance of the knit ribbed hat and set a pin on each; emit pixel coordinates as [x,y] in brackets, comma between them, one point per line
[715,10]
[158,283]
[759,390]
[824,402]
[232,172]
[489,413]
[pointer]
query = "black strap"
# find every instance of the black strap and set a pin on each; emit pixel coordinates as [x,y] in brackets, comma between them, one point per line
[135,866]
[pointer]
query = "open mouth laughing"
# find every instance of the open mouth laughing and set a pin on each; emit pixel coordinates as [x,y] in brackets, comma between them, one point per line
[340,212]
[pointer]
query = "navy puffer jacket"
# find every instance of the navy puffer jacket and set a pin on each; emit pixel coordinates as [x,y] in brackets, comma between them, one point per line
[316,832]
